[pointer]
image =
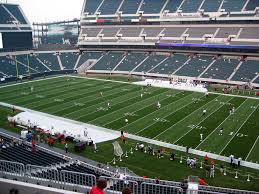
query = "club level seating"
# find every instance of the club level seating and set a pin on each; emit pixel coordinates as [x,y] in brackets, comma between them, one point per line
[85,56]
[190,6]
[52,40]
[110,7]
[247,71]
[152,6]
[68,59]
[50,60]
[150,63]
[195,66]
[221,69]
[108,61]
[211,5]
[131,61]
[171,64]
[16,12]
[33,62]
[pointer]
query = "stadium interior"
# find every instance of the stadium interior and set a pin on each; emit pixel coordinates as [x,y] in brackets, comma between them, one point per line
[114,47]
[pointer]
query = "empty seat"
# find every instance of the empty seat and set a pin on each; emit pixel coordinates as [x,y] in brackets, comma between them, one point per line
[247,71]
[252,4]
[211,5]
[152,6]
[190,6]
[233,5]
[173,5]
[91,6]
[130,7]
[68,59]
[109,7]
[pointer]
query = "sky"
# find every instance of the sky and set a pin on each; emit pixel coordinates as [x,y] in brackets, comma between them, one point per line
[50,10]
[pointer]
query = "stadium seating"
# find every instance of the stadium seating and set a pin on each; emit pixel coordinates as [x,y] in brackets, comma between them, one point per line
[109,7]
[173,5]
[150,63]
[130,7]
[16,12]
[33,62]
[68,59]
[247,71]
[87,56]
[7,67]
[190,6]
[252,4]
[109,61]
[233,5]
[5,17]
[152,6]
[91,6]
[221,69]
[50,60]
[131,61]
[195,66]
[211,5]
[171,64]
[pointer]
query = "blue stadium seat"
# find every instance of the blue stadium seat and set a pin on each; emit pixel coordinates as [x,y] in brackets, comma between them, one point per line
[50,60]
[130,7]
[195,66]
[221,69]
[91,6]
[109,7]
[7,67]
[252,4]
[108,61]
[152,6]
[68,59]
[233,5]
[171,64]
[88,55]
[190,6]
[5,17]
[16,12]
[131,61]
[173,5]
[150,63]
[211,5]
[247,71]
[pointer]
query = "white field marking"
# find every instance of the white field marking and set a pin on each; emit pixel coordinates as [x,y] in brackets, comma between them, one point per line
[42,79]
[238,129]
[238,96]
[197,110]
[42,89]
[70,94]
[115,105]
[103,103]
[80,99]
[170,113]
[252,148]
[202,121]
[160,110]
[134,105]
[220,124]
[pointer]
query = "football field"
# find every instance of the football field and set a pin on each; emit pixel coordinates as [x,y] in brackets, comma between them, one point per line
[180,120]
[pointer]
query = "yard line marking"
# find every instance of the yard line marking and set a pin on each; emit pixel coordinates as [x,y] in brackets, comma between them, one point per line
[201,121]
[137,109]
[252,148]
[238,96]
[238,129]
[116,104]
[160,110]
[42,79]
[80,99]
[220,124]
[170,113]
[97,104]
[186,116]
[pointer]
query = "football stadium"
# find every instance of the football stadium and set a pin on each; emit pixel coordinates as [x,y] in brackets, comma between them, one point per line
[135,96]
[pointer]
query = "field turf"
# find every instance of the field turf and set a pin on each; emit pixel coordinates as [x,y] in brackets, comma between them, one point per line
[179,120]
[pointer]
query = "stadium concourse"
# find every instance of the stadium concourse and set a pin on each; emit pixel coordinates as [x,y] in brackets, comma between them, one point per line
[133,89]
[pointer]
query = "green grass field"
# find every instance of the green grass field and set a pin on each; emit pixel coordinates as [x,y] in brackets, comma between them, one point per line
[178,121]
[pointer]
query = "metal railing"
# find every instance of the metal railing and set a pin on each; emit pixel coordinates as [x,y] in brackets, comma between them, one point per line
[151,188]
[12,168]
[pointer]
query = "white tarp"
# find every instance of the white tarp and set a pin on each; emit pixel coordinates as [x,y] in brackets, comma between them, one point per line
[55,125]
[188,86]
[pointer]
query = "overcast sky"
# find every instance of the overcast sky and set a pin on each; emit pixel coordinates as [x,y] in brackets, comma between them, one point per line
[49,10]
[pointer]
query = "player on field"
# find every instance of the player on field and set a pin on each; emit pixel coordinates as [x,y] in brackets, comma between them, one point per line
[32,89]
[141,95]
[108,105]
[201,137]
[158,105]
[221,131]
[204,112]
[101,94]
[126,121]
